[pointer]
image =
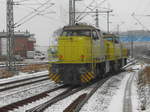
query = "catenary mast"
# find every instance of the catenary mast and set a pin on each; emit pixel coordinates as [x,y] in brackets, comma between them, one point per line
[10,36]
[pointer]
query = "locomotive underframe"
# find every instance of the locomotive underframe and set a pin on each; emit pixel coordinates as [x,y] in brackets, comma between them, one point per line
[71,73]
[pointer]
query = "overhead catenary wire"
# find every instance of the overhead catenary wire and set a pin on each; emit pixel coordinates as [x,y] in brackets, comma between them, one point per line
[36,13]
[30,14]
[92,9]
[87,7]
[139,22]
[34,9]
[22,1]
[44,14]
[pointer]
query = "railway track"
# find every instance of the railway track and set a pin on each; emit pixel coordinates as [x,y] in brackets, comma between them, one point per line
[83,98]
[14,90]
[62,95]
[23,67]
[76,105]
[23,82]
[15,105]
[3,65]
[70,91]
[80,101]
[127,102]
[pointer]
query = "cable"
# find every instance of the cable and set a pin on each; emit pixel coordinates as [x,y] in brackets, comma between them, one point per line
[144,27]
[34,9]
[38,13]
[33,4]
[44,14]
[41,6]
[91,10]
[86,8]
[22,1]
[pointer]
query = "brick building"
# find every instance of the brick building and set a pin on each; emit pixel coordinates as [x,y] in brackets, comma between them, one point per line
[24,41]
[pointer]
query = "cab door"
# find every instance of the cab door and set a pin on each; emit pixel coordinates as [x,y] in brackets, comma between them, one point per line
[98,46]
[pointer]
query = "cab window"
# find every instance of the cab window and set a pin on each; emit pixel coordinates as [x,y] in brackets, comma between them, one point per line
[109,39]
[99,33]
[94,35]
[76,33]
[116,40]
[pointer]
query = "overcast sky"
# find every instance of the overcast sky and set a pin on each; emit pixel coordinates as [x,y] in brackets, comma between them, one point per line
[44,26]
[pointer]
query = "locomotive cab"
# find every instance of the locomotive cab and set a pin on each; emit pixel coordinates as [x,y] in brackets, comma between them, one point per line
[83,54]
[78,48]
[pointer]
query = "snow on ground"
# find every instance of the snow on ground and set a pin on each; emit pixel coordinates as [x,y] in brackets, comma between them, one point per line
[63,104]
[98,102]
[34,61]
[25,92]
[144,91]
[108,98]
[22,76]
[23,82]
[135,99]
[145,98]
[116,104]
[27,61]
[21,93]
[36,103]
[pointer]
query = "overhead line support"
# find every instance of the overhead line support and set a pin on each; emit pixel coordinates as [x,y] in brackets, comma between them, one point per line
[10,62]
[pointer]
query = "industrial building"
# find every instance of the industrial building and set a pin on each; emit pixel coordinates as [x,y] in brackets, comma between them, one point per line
[23,41]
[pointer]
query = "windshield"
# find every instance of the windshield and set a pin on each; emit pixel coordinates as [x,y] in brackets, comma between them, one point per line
[109,38]
[77,33]
[116,40]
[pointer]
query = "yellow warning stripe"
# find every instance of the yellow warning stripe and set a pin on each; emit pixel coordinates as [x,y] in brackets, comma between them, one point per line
[82,80]
[88,76]
[57,78]
[84,77]
[50,76]
[54,76]
[85,80]
[91,75]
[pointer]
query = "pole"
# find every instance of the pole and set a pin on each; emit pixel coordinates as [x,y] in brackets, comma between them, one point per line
[118,28]
[132,47]
[97,18]
[70,12]
[10,36]
[107,21]
[74,12]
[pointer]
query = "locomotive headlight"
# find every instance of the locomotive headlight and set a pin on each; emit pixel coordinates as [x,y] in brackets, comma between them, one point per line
[82,57]
[61,57]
